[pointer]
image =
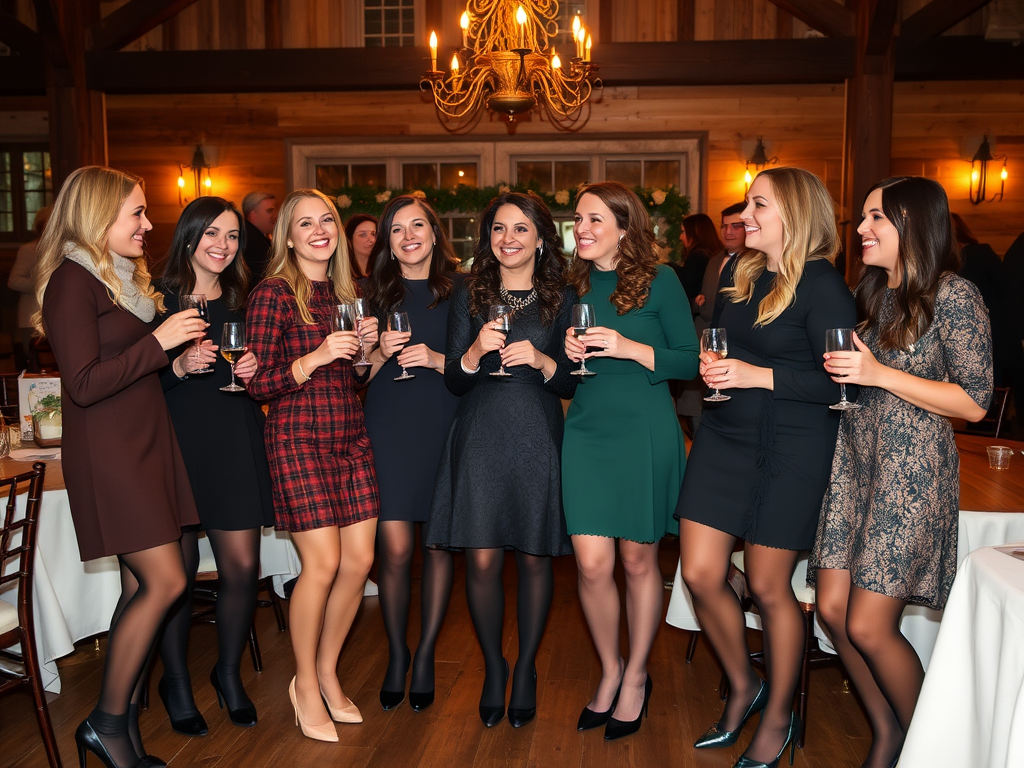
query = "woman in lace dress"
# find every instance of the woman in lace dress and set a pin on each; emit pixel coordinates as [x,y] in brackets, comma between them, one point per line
[888,527]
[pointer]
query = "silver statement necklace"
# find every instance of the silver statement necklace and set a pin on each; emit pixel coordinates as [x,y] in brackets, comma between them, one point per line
[514,301]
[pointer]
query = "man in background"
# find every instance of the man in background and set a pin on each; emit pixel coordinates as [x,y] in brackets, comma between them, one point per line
[260,211]
[733,237]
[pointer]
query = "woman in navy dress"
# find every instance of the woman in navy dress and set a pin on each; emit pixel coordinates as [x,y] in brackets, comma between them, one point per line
[321,464]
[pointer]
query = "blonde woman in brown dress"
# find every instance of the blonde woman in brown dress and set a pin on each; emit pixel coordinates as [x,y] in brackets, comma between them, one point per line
[888,528]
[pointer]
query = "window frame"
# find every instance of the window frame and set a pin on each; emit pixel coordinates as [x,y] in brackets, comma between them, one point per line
[17,150]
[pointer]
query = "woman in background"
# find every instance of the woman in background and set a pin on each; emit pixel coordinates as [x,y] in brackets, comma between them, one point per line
[221,439]
[888,529]
[361,234]
[408,421]
[321,464]
[700,236]
[23,281]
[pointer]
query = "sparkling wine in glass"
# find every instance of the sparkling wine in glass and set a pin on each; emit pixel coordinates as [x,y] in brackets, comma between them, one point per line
[502,314]
[343,318]
[197,301]
[232,347]
[841,340]
[359,312]
[399,321]
[582,320]
[714,340]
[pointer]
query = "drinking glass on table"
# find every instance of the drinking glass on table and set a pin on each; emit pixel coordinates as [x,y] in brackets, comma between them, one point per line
[197,301]
[841,340]
[399,321]
[359,312]
[501,314]
[582,320]
[715,340]
[232,347]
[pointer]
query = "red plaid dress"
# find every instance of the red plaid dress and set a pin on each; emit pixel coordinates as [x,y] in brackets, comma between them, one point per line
[321,463]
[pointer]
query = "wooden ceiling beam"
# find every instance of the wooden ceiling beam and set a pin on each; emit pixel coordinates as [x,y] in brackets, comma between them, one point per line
[882,27]
[829,18]
[936,17]
[17,36]
[132,20]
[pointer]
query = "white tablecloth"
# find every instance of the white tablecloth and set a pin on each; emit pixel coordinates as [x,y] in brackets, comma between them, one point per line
[971,709]
[74,600]
[919,625]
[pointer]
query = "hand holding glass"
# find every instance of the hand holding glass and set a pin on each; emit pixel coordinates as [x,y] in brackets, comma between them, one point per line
[399,321]
[841,340]
[197,301]
[582,319]
[501,314]
[232,347]
[714,340]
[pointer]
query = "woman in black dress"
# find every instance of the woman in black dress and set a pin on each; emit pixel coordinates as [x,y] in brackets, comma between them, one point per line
[126,481]
[361,235]
[498,484]
[413,272]
[761,461]
[221,439]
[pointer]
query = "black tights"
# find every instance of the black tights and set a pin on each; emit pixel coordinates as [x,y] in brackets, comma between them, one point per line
[397,540]
[151,581]
[485,594]
[237,554]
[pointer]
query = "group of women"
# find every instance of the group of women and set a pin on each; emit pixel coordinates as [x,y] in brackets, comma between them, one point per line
[472,445]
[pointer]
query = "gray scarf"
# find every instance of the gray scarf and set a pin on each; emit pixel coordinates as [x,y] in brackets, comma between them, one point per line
[131,297]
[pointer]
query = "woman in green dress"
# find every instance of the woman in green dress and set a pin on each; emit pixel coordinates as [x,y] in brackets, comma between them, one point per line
[623,453]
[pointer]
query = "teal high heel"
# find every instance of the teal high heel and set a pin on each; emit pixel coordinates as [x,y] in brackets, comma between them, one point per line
[716,737]
[794,727]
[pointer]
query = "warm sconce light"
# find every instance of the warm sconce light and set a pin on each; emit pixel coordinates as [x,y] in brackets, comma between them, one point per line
[202,184]
[979,174]
[759,159]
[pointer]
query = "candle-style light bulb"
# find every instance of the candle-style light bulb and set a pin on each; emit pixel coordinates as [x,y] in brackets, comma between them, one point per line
[208,182]
[433,52]
[747,178]
[181,182]
[586,49]
[464,23]
[521,21]
[455,64]
[1003,174]
[575,25]
[556,63]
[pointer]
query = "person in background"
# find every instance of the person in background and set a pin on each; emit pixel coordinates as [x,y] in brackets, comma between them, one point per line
[888,530]
[361,233]
[720,267]
[23,281]
[260,211]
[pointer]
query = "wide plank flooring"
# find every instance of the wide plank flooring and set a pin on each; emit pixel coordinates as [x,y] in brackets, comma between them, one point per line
[685,701]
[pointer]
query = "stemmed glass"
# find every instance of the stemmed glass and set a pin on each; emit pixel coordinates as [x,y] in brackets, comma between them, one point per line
[359,312]
[582,319]
[343,318]
[841,340]
[501,313]
[399,321]
[714,340]
[197,301]
[232,347]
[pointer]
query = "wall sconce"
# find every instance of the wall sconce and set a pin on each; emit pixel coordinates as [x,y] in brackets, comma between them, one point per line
[759,159]
[979,174]
[202,184]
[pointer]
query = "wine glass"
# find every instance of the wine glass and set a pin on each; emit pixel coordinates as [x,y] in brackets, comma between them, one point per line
[501,313]
[232,347]
[841,340]
[197,301]
[399,321]
[582,319]
[359,312]
[714,340]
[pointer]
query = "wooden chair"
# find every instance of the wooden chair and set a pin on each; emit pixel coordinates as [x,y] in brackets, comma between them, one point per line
[9,405]
[17,544]
[992,424]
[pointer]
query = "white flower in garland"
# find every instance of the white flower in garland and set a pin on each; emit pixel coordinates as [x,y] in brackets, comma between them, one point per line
[419,194]
[562,197]
[344,201]
[384,196]
[658,196]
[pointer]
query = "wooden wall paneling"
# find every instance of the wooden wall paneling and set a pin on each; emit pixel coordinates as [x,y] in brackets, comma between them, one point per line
[231,20]
[272,24]
[763,20]
[208,36]
[685,20]
[704,20]
[624,22]
[783,24]
[255,31]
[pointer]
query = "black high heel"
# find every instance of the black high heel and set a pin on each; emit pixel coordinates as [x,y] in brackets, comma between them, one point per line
[520,716]
[193,725]
[491,716]
[715,737]
[87,740]
[590,719]
[243,716]
[391,699]
[794,726]
[616,729]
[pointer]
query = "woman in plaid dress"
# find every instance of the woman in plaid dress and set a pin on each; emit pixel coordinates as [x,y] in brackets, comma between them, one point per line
[321,465]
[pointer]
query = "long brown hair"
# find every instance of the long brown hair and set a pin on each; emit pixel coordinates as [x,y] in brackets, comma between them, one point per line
[703,235]
[637,263]
[919,210]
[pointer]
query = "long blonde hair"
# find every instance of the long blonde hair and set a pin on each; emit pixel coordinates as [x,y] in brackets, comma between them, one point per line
[86,208]
[284,265]
[808,233]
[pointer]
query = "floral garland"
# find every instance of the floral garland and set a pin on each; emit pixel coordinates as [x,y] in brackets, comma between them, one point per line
[667,207]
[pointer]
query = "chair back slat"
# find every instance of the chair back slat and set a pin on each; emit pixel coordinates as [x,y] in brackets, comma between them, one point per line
[27,527]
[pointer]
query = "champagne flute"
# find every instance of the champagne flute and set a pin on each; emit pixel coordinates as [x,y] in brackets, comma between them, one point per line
[582,319]
[841,340]
[399,321]
[343,318]
[714,340]
[359,311]
[197,301]
[232,347]
[502,314]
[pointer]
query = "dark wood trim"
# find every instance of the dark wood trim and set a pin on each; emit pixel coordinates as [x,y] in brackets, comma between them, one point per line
[958,58]
[19,37]
[686,20]
[827,17]
[272,34]
[132,20]
[936,17]
[883,27]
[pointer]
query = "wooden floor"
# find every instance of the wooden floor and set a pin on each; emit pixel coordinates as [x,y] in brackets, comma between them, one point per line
[448,734]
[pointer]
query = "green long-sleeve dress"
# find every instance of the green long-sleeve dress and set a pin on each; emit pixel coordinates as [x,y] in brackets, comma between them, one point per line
[623,453]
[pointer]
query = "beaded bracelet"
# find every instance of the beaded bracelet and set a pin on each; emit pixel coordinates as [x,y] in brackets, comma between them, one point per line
[305,375]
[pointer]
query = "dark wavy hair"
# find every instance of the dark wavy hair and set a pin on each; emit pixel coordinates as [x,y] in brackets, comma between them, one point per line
[484,281]
[703,234]
[350,230]
[384,289]
[179,276]
[637,264]
[919,210]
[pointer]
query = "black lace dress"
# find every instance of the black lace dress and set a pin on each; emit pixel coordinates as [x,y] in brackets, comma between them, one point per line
[499,479]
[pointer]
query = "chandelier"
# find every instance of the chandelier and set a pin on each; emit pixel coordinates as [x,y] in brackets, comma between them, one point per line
[506,65]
